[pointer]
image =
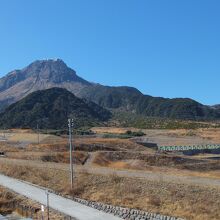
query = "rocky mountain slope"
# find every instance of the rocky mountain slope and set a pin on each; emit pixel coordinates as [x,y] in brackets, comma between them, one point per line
[50,109]
[44,74]
[40,75]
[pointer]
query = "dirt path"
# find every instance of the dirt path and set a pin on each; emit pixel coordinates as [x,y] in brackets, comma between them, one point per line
[90,159]
[150,175]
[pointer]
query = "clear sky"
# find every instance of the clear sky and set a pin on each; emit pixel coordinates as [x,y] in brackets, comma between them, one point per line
[168,48]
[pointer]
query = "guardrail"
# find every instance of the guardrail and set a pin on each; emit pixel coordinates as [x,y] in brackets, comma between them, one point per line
[188,148]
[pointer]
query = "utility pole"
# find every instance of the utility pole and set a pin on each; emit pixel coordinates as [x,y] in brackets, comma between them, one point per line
[48,209]
[70,125]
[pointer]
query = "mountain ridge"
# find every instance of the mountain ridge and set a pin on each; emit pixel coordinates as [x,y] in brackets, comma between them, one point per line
[45,74]
[50,109]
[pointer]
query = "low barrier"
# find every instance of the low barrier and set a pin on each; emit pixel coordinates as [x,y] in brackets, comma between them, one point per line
[190,148]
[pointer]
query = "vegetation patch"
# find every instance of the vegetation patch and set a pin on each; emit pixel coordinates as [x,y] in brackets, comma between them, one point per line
[128,134]
[128,119]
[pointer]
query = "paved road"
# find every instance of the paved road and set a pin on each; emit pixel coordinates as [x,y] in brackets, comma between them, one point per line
[149,175]
[2,218]
[61,204]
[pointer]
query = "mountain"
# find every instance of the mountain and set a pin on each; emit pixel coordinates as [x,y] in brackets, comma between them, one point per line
[50,109]
[216,106]
[123,97]
[130,99]
[40,75]
[45,74]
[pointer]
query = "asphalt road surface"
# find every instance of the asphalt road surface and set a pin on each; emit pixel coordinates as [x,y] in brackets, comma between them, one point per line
[58,203]
[2,218]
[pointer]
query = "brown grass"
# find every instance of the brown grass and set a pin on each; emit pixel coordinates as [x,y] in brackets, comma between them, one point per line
[114,130]
[158,163]
[160,160]
[87,144]
[58,157]
[190,202]
[5,200]
[211,134]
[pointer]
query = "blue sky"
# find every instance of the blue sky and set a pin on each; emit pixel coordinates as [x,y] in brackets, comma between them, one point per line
[164,48]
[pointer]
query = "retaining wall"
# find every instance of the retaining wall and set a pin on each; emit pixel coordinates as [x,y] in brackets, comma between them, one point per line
[125,213]
[211,147]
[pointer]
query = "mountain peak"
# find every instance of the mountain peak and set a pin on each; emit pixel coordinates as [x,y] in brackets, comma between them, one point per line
[39,75]
[48,65]
[50,70]
[49,61]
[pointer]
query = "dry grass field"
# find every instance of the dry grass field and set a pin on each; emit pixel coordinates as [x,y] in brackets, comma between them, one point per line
[114,130]
[176,199]
[211,134]
[170,137]
[190,202]
[5,199]
[22,135]
[59,157]
[184,136]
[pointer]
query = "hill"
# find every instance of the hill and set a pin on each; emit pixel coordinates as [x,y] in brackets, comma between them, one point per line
[45,74]
[131,100]
[50,109]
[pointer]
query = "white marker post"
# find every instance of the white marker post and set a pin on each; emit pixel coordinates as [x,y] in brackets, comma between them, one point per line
[42,212]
